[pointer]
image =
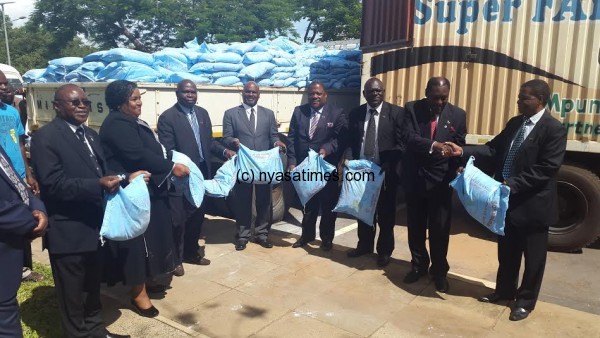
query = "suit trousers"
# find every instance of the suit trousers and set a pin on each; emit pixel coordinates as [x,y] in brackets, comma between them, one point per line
[10,323]
[77,283]
[532,243]
[325,200]
[385,217]
[187,227]
[243,211]
[430,210]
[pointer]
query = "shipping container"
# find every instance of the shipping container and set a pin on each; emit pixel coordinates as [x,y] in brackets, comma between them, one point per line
[487,49]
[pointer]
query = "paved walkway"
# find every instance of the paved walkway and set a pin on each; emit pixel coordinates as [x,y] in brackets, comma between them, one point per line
[285,292]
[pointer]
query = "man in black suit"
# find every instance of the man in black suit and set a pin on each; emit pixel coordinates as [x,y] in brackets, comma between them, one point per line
[69,164]
[22,217]
[256,128]
[429,123]
[187,128]
[373,137]
[526,156]
[318,126]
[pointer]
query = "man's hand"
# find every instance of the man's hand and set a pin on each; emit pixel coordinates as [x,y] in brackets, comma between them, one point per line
[42,219]
[323,152]
[180,170]
[459,170]
[33,184]
[110,183]
[291,167]
[146,174]
[229,153]
[282,147]
[454,150]
[235,143]
[438,146]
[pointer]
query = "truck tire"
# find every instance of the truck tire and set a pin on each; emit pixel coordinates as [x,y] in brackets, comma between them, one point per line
[579,209]
[278,203]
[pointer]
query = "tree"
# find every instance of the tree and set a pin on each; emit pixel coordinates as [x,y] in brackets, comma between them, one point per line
[152,24]
[332,19]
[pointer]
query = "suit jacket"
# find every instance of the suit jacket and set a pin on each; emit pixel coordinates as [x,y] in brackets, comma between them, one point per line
[533,199]
[175,133]
[69,186]
[331,128]
[423,170]
[16,223]
[237,125]
[389,146]
[130,145]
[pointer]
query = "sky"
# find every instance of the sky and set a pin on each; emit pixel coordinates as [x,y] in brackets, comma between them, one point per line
[18,9]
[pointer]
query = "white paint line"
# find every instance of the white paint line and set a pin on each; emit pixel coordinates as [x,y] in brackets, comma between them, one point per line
[485,282]
[346,229]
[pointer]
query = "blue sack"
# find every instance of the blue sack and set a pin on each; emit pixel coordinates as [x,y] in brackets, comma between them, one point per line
[257,70]
[484,198]
[226,81]
[224,180]
[192,185]
[127,70]
[126,54]
[313,174]
[259,167]
[359,196]
[209,67]
[127,212]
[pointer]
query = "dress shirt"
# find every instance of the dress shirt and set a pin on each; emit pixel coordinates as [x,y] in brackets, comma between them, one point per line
[248,109]
[74,128]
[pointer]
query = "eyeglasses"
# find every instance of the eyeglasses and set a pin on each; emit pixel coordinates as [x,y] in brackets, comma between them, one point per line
[78,102]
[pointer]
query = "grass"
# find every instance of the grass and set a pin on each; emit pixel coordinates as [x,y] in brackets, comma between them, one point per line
[38,307]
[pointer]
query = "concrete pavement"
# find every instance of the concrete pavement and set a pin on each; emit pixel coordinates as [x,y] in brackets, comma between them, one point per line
[305,292]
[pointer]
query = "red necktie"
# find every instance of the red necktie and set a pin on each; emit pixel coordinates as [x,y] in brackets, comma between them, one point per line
[433,126]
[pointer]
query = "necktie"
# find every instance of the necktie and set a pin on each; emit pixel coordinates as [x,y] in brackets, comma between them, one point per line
[16,181]
[507,169]
[314,120]
[433,126]
[252,120]
[81,136]
[196,129]
[370,136]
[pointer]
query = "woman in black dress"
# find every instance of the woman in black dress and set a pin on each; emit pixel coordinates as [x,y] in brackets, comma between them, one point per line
[131,145]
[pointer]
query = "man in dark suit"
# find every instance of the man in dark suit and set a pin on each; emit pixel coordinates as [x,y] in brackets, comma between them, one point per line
[526,156]
[256,128]
[187,128]
[429,123]
[22,216]
[372,136]
[318,126]
[69,164]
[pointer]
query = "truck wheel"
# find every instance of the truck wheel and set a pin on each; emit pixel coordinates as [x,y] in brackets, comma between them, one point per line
[278,203]
[579,209]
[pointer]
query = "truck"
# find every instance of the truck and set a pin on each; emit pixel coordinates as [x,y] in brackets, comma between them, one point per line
[487,49]
[158,97]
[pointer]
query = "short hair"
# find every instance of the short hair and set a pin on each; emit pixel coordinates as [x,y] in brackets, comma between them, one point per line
[61,89]
[539,89]
[437,81]
[318,82]
[118,92]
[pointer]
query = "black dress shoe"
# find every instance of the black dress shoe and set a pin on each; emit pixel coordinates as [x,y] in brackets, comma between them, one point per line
[150,312]
[518,313]
[239,246]
[492,298]
[383,260]
[358,252]
[301,242]
[264,243]
[413,275]
[196,260]
[179,271]
[441,284]
[114,335]
[326,245]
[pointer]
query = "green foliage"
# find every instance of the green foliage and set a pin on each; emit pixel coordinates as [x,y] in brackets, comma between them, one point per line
[38,306]
[333,19]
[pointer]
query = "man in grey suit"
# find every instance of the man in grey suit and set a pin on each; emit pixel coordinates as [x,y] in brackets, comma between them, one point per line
[255,127]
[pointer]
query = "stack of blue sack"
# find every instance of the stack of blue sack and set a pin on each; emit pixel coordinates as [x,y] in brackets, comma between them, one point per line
[127,212]
[192,185]
[359,196]
[484,198]
[259,167]
[271,63]
[314,166]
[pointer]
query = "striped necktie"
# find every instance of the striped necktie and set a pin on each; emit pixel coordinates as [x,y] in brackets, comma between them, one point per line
[507,169]
[314,120]
[196,129]
[14,178]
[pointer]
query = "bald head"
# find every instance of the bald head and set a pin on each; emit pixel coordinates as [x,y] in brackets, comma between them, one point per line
[71,104]
[251,93]
[374,92]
